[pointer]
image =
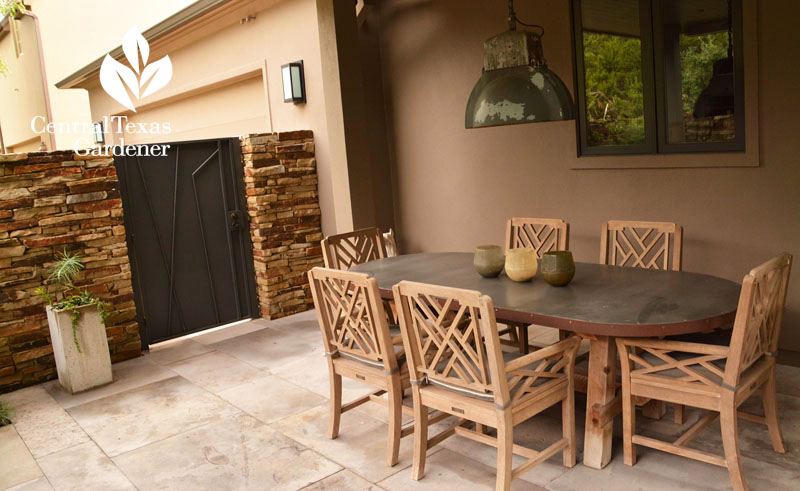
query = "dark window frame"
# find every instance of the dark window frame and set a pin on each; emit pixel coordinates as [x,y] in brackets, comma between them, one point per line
[654,88]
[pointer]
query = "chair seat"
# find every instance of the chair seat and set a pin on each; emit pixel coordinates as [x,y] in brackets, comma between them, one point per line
[717,337]
[394,330]
[676,373]
[486,396]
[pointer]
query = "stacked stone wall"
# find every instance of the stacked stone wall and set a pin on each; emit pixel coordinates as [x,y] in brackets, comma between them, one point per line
[283,205]
[52,202]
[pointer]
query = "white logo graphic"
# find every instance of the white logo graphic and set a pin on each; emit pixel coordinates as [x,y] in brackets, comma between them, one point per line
[113,73]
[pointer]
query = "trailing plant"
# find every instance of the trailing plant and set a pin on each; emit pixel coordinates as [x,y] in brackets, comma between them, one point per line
[5,414]
[63,273]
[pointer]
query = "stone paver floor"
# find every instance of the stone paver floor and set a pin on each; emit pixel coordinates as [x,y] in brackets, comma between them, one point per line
[245,407]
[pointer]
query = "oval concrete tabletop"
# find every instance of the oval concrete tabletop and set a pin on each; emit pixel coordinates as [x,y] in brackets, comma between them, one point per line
[600,300]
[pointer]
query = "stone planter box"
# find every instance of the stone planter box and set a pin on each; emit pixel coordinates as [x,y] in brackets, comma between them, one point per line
[80,371]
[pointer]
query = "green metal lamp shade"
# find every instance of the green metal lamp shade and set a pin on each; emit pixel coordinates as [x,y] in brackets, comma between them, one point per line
[521,94]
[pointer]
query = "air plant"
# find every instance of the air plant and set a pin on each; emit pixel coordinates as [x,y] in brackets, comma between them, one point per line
[63,272]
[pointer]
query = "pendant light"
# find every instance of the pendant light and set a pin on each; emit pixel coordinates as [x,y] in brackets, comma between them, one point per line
[516,86]
[717,99]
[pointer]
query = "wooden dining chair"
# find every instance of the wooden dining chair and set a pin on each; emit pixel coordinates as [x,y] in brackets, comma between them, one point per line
[713,377]
[343,251]
[649,245]
[542,235]
[652,245]
[359,345]
[457,367]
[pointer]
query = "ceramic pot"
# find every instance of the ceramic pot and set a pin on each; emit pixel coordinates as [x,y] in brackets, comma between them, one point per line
[489,260]
[521,264]
[558,268]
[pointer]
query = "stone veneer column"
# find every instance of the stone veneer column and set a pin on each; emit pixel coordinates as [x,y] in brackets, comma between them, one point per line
[283,206]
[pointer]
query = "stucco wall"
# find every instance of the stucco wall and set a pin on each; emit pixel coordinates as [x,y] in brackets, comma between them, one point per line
[21,94]
[73,34]
[281,32]
[455,188]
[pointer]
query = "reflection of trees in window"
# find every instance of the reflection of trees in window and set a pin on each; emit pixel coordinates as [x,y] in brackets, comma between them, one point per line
[659,76]
[614,97]
[698,54]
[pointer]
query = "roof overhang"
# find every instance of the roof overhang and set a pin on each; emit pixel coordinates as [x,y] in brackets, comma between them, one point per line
[185,16]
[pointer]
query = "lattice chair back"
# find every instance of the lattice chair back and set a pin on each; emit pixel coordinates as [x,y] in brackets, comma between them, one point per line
[351,317]
[450,337]
[651,245]
[759,316]
[343,251]
[541,234]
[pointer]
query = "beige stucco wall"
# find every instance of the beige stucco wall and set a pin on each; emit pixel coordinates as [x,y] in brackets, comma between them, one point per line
[21,94]
[73,34]
[201,101]
[455,188]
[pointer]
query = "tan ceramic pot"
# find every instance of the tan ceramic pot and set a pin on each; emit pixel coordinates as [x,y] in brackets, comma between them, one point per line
[489,260]
[521,264]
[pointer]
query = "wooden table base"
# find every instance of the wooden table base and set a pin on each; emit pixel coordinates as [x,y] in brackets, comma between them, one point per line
[600,405]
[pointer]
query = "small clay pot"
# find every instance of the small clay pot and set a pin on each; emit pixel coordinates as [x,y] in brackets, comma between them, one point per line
[521,264]
[489,260]
[558,268]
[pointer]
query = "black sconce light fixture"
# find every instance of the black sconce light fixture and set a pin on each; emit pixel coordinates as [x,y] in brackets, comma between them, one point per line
[294,83]
[97,133]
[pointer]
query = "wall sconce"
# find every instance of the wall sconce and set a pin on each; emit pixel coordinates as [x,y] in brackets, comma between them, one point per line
[294,84]
[97,133]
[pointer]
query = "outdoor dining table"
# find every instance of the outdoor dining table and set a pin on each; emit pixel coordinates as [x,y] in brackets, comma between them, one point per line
[602,302]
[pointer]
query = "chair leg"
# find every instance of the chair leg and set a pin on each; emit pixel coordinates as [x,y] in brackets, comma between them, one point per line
[568,428]
[420,437]
[678,413]
[628,426]
[730,443]
[505,445]
[524,348]
[771,413]
[654,409]
[336,404]
[395,395]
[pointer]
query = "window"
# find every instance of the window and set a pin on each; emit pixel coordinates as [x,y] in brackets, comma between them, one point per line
[659,76]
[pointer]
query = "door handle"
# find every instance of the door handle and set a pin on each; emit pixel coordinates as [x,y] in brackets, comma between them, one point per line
[233,220]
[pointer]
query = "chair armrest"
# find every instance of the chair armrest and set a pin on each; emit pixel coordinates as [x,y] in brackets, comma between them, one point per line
[683,346]
[565,346]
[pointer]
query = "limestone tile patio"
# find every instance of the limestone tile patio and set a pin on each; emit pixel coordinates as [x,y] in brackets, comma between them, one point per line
[246,407]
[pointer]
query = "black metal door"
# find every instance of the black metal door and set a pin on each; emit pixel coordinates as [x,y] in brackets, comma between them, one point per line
[188,238]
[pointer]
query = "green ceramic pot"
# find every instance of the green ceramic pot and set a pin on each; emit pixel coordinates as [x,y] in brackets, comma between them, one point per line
[521,264]
[489,260]
[558,268]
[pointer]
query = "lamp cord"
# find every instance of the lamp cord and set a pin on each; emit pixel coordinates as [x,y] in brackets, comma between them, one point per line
[513,20]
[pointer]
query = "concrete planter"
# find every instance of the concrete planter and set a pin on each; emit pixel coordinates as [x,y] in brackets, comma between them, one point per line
[79,371]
